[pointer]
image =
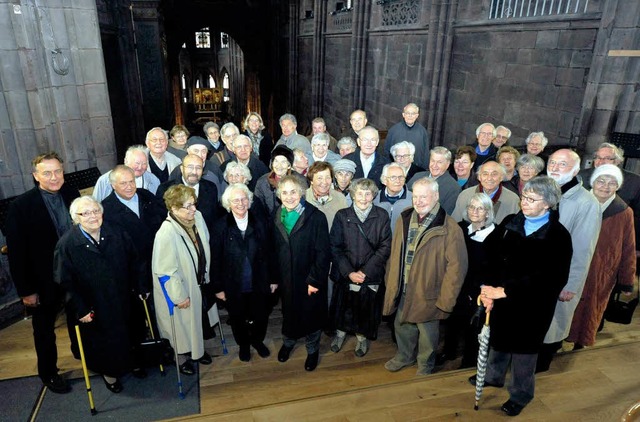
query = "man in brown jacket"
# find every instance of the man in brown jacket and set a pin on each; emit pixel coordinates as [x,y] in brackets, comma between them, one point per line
[425,272]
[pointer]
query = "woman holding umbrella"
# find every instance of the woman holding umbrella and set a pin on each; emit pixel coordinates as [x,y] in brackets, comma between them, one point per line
[523,293]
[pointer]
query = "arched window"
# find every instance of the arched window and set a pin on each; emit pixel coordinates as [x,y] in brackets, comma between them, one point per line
[212,82]
[224,40]
[203,38]
[184,81]
[225,87]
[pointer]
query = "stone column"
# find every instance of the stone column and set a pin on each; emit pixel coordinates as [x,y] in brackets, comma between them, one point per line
[319,28]
[359,40]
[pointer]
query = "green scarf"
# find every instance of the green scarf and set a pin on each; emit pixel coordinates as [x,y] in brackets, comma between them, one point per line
[289,219]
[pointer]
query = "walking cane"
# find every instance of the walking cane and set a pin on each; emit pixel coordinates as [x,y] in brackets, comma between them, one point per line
[153,337]
[170,305]
[86,372]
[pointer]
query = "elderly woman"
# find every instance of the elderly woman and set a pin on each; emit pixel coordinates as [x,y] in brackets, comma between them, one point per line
[281,165]
[463,167]
[261,140]
[360,246]
[178,142]
[346,146]
[403,153]
[300,162]
[180,261]
[301,239]
[241,269]
[522,303]
[237,173]
[320,194]
[320,149]
[395,197]
[528,166]
[214,144]
[98,266]
[536,143]
[508,156]
[614,259]
[481,239]
[343,171]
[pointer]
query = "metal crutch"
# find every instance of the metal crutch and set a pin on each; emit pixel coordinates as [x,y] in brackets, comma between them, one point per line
[171,306]
[153,337]
[86,372]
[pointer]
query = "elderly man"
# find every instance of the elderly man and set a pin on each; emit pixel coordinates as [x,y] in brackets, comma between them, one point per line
[490,176]
[425,272]
[629,191]
[358,121]
[318,125]
[502,136]
[410,130]
[580,215]
[486,151]
[206,191]
[320,150]
[346,146]
[214,144]
[161,162]
[198,146]
[448,187]
[35,222]
[395,197]
[243,150]
[403,153]
[228,133]
[290,136]
[369,163]
[136,159]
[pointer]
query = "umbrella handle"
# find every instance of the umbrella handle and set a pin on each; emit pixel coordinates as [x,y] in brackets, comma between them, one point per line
[488,313]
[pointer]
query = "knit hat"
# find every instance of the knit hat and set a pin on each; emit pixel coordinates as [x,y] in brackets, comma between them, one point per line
[344,165]
[607,170]
[197,140]
[284,151]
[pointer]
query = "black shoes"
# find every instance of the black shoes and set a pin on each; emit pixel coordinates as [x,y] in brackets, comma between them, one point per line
[283,354]
[187,368]
[312,361]
[205,359]
[441,358]
[116,387]
[244,354]
[472,381]
[262,350]
[57,384]
[512,408]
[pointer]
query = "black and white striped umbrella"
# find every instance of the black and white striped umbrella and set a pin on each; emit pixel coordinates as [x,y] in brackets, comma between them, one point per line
[483,353]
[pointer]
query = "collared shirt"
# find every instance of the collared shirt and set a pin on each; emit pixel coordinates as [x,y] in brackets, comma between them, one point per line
[196,187]
[367,163]
[132,204]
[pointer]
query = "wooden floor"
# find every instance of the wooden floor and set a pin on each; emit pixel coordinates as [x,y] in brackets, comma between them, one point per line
[594,384]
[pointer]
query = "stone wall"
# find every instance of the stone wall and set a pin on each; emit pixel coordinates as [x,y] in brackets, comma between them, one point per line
[51,101]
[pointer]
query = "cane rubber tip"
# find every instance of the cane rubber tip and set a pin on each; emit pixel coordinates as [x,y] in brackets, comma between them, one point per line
[94,412]
[181,395]
[475,407]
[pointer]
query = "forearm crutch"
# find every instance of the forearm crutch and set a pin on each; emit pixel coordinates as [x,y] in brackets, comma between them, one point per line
[153,337]
[86,372]
[171,306]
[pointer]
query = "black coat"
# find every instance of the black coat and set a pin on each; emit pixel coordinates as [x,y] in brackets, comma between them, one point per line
[357,246]
[303,258]
[266,146]
[100,279]
[207,200]
[31,240]
[376,168]
[533,271]
[256,168]
[228,254]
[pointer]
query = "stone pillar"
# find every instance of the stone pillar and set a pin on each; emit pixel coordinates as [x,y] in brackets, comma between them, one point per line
[54,89]
[291,103]
[359,37]
[320,25]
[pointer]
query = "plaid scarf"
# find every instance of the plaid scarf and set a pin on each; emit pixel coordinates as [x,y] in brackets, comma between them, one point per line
[416,229]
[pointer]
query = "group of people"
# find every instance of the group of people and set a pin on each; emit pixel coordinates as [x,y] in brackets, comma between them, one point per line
[342,232]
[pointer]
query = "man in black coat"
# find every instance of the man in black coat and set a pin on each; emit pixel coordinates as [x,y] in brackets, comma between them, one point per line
[243,150]
[192,167]
[36,220]
[369,162]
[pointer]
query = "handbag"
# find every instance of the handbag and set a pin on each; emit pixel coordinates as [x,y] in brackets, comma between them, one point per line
[619,311]
[153,351]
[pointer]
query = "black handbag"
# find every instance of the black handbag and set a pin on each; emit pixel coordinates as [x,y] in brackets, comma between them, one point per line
[619,311]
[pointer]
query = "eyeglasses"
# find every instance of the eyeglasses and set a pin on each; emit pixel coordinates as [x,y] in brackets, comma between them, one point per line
[402,156]
[410,113]
[492,174]
[89,213]
[190,206]
[560,164]
[486,134]
[528,199]
[602,183]
[502,137]
[396,178]
[608,159]
[239,201]
[535,144]
[157,140]
[480,209]
[192,168]
[49,174]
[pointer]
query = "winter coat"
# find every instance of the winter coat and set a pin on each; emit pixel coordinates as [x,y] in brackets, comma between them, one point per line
[303,258]
[508,203]
[174,255]
[448,189]
[380,160]
[614,261]
[265,148]
[394,210]
[532,270]
[207,201]
[256,168]
[436,275]
[266,191]
[228,254]
[580,215]
[357,246]
[336,202]
[100,279]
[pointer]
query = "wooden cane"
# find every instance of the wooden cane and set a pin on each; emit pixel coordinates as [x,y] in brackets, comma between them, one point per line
[86,372]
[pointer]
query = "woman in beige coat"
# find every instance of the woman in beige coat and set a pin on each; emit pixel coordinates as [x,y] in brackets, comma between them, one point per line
[181,252]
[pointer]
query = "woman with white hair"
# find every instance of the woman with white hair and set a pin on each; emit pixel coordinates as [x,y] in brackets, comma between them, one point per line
[241,269]
[403,153]
[536,143]
[614,259]
[98,266]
